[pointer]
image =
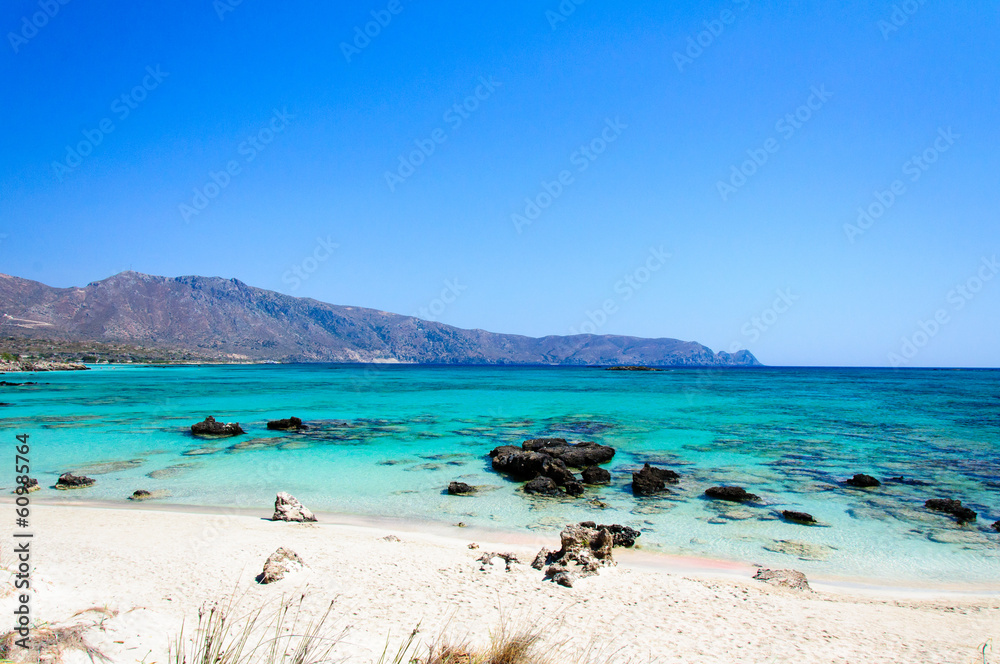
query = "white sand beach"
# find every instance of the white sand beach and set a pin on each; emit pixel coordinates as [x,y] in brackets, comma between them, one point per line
[152,570]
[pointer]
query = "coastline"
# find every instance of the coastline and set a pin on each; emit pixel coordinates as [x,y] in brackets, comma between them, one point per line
[637,557]
[148,571]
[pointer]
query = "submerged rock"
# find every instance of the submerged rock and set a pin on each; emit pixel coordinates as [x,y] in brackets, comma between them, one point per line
[862,481]
[288,508]
[460,489]
[596,475]
[801,550]
[278,564]
[733,494]
[288,424]
[996,526]
[798,517]
[71,481]
[209,427]
[784,578]
[955,508]
[649,480]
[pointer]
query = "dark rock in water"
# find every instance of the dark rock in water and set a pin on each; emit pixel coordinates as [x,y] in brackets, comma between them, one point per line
[557,470]
[31,484]
[574,488]
[955,508]
[140,494]
[622,535]
[596,475]
[460,489]
[785,578]
[289,424]
[798,517]
[518,463]
[209,427]
[631,367]
[996,526]
[545,486]
[863,481]
[733,494]
[649,480]
[574,455]
[71,481]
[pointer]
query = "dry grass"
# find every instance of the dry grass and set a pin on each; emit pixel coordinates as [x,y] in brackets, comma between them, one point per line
[49,643]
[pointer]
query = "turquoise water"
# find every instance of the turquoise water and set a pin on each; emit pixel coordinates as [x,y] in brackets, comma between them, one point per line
[386,440]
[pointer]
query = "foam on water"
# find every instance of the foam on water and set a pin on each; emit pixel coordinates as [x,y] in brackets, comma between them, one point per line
[386,440]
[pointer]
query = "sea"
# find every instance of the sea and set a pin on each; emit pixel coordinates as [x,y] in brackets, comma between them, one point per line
[386,440]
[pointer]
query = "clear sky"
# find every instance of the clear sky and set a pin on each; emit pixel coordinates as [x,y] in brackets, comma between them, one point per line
[688,170]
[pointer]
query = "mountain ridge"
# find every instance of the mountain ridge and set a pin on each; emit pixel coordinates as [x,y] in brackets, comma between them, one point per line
[243,322]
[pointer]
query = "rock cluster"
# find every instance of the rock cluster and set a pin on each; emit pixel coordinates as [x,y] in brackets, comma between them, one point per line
[71,481]
[508,559]
[278,564]
[955,508]
[288,508]
[209,427]
[544,463]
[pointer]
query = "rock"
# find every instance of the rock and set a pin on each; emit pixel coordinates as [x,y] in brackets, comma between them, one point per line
[288,508]
[559,574]
[862,481]
[460,489]
[545,486]
[785,578]
[996,526]
[541,559]
[574,488]
[622,535]
[209,427]
[519,464]
[140,494]
[71,481]
[596,475]
[733,494]
[906,481]
[390,538]
[473,545]
[574,455]
[798,517]
[955,508]
[631,367]
[801,550]
[649,480]
[288,424]
[281,562]
[509,559]
[30,485]
[557,470]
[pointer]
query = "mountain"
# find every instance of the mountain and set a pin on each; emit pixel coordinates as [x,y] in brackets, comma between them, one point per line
[229,319]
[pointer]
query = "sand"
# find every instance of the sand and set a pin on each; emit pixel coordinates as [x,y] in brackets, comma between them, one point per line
[153,569]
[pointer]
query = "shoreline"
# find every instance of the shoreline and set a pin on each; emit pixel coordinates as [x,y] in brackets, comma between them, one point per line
[637,557]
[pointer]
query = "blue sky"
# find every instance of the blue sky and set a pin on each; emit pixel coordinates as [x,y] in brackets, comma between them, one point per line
[688,170]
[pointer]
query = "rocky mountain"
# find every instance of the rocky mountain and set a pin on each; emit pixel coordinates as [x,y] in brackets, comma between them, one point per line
[226,318]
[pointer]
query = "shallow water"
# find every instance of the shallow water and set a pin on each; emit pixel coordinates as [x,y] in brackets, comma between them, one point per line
[386,440]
